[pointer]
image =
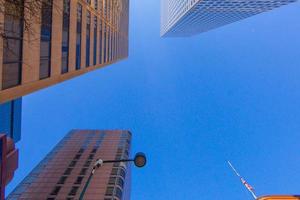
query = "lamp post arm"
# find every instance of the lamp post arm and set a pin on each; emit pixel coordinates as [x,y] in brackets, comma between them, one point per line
[118,161]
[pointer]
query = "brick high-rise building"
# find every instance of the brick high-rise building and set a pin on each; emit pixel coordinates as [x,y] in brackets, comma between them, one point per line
[60,40]
[181,18]
[65,170]
[8,162]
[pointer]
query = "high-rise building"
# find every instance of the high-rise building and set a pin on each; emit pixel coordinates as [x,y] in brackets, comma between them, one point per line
[58,40]
[181,18]
[10,119]
[8,162]
[63,173]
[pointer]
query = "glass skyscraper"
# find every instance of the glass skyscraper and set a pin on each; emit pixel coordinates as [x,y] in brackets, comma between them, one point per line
[181,18]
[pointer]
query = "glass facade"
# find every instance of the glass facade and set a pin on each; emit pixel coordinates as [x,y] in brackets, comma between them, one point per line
[65,37]
[46,32]
[78,36]
[12,50]
[10,119]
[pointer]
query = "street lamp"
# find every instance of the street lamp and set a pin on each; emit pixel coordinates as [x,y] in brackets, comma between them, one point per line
[139,161]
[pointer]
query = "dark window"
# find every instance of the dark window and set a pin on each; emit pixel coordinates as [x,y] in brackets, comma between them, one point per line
[79,180]
[88,40]
[81,150]
[65,37]
[95,39]
[112,180]
[96,4]
[68,171]
[87,163]
[91,156]
[56,190]
[120,182]
[94,151]
[109,191]
[62,180]
[77,156]
[119,193]
[105,42]
[83,171]
[100,42]
[114,171]
[73,163]
[122,173]
[45,50]
[12,49]
[73,191]
[78,36]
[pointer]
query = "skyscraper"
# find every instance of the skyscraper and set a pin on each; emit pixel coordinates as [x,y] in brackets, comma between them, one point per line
[58,40]
[10,119]
[63,173]
[8,162]
[181,18]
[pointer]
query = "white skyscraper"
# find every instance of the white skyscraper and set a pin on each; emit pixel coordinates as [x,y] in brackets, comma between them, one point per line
[181,18]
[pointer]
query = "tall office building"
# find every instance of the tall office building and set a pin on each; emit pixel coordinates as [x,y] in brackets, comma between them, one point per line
[65,170]
[57,40]
[181,18]
[10,119]
[8,162]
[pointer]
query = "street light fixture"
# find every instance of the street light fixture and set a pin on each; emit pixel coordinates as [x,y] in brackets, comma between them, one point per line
[139,161]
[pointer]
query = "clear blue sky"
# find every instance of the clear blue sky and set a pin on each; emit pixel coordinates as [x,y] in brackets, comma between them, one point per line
[191,103]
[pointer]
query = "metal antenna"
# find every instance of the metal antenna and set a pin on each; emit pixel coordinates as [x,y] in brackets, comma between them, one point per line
[249,187]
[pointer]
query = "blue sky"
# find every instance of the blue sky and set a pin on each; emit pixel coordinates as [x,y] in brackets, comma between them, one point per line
[191,103]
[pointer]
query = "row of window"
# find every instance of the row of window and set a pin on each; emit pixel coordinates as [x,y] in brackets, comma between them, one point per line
[13,34]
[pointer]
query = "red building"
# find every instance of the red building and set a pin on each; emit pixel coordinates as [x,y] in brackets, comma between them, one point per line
[63,173]
[8,162]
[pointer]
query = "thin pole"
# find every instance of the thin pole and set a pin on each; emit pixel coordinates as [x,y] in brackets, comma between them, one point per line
[86,185]
[242,180]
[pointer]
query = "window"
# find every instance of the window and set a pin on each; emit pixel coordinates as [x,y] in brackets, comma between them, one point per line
[68,171]
[79,180]
[65,37]
[77,156]
[119,193]
[83,171]
[100,42]
[96,4]
[91,156]
[56,190]
[78,36]
[109,191]
[62,180]
[12,50]
[45,49]
[88,40]
[73,191]
[73,163]
[104,45]
[95,39]
[87,164]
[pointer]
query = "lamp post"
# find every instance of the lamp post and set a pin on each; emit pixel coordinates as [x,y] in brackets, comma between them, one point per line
[139,161]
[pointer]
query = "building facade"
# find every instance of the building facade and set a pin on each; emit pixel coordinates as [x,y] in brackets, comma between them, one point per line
[63,173]
[59,40]
[10,119]
[180,18]
[9,156]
